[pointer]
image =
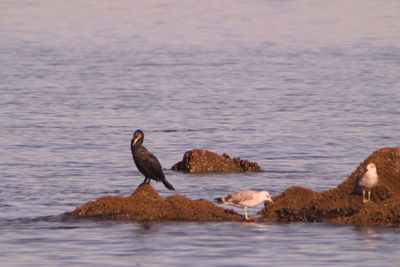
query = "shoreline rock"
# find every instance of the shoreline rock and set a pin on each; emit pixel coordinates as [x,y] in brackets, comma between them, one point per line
[204,161]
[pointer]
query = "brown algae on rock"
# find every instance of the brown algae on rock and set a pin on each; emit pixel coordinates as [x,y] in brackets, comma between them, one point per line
[204,161]
[339,205]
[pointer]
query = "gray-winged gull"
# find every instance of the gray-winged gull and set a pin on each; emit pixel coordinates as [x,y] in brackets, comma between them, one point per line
[367,180]
[245,199]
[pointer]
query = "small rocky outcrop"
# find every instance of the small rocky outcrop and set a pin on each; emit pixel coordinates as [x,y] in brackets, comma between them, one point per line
[146,205]
[342,204]
[204,161]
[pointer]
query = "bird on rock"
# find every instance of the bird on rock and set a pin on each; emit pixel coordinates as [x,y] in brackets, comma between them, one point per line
[245,199]
[146,162]
[367,180]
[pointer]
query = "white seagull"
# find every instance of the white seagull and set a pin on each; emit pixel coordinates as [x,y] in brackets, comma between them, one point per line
[245,199]
[367,180]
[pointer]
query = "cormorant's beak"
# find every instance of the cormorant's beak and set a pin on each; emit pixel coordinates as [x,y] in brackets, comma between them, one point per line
[136,139]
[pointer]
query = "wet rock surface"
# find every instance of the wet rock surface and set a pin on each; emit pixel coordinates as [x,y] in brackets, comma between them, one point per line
[343,204]
[340,205]
[146,205]
[204,161]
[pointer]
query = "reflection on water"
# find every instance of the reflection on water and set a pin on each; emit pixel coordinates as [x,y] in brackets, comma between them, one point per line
[372,237]
[306,88]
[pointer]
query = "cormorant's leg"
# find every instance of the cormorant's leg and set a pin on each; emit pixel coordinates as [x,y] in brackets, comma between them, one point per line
[145,181]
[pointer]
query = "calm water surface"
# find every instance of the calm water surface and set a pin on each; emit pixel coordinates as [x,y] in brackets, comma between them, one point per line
[308,89]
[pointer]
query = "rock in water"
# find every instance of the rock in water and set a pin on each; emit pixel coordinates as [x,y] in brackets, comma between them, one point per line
[146,205]
[204,161]
[340,205]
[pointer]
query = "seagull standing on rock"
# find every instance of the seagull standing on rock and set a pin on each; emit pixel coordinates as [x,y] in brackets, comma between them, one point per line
[245,199]
[367,180]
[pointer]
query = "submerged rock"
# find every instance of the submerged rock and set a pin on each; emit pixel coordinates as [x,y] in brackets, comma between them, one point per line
[204,161]
[342,204]
[146,205]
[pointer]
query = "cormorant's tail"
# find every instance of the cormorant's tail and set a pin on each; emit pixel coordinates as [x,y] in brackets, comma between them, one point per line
[167,185]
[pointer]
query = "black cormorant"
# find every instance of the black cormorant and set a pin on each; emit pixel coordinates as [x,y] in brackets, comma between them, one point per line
[146,162]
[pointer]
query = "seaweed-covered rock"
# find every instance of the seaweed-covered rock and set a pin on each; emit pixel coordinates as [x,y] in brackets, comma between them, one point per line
[204,161]
[146,205]
[340,205]
[343,204]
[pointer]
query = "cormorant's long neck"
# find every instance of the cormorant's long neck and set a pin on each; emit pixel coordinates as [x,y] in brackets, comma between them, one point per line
[137,144]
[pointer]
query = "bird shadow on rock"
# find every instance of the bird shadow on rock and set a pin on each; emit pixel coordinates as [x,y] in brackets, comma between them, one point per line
[343,204]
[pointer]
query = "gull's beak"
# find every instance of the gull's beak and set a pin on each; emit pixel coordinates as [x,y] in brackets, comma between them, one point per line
[363,172]
[268,201]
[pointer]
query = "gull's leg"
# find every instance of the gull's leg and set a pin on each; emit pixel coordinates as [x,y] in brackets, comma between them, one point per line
[245,213]
[369,196]
[364,200]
